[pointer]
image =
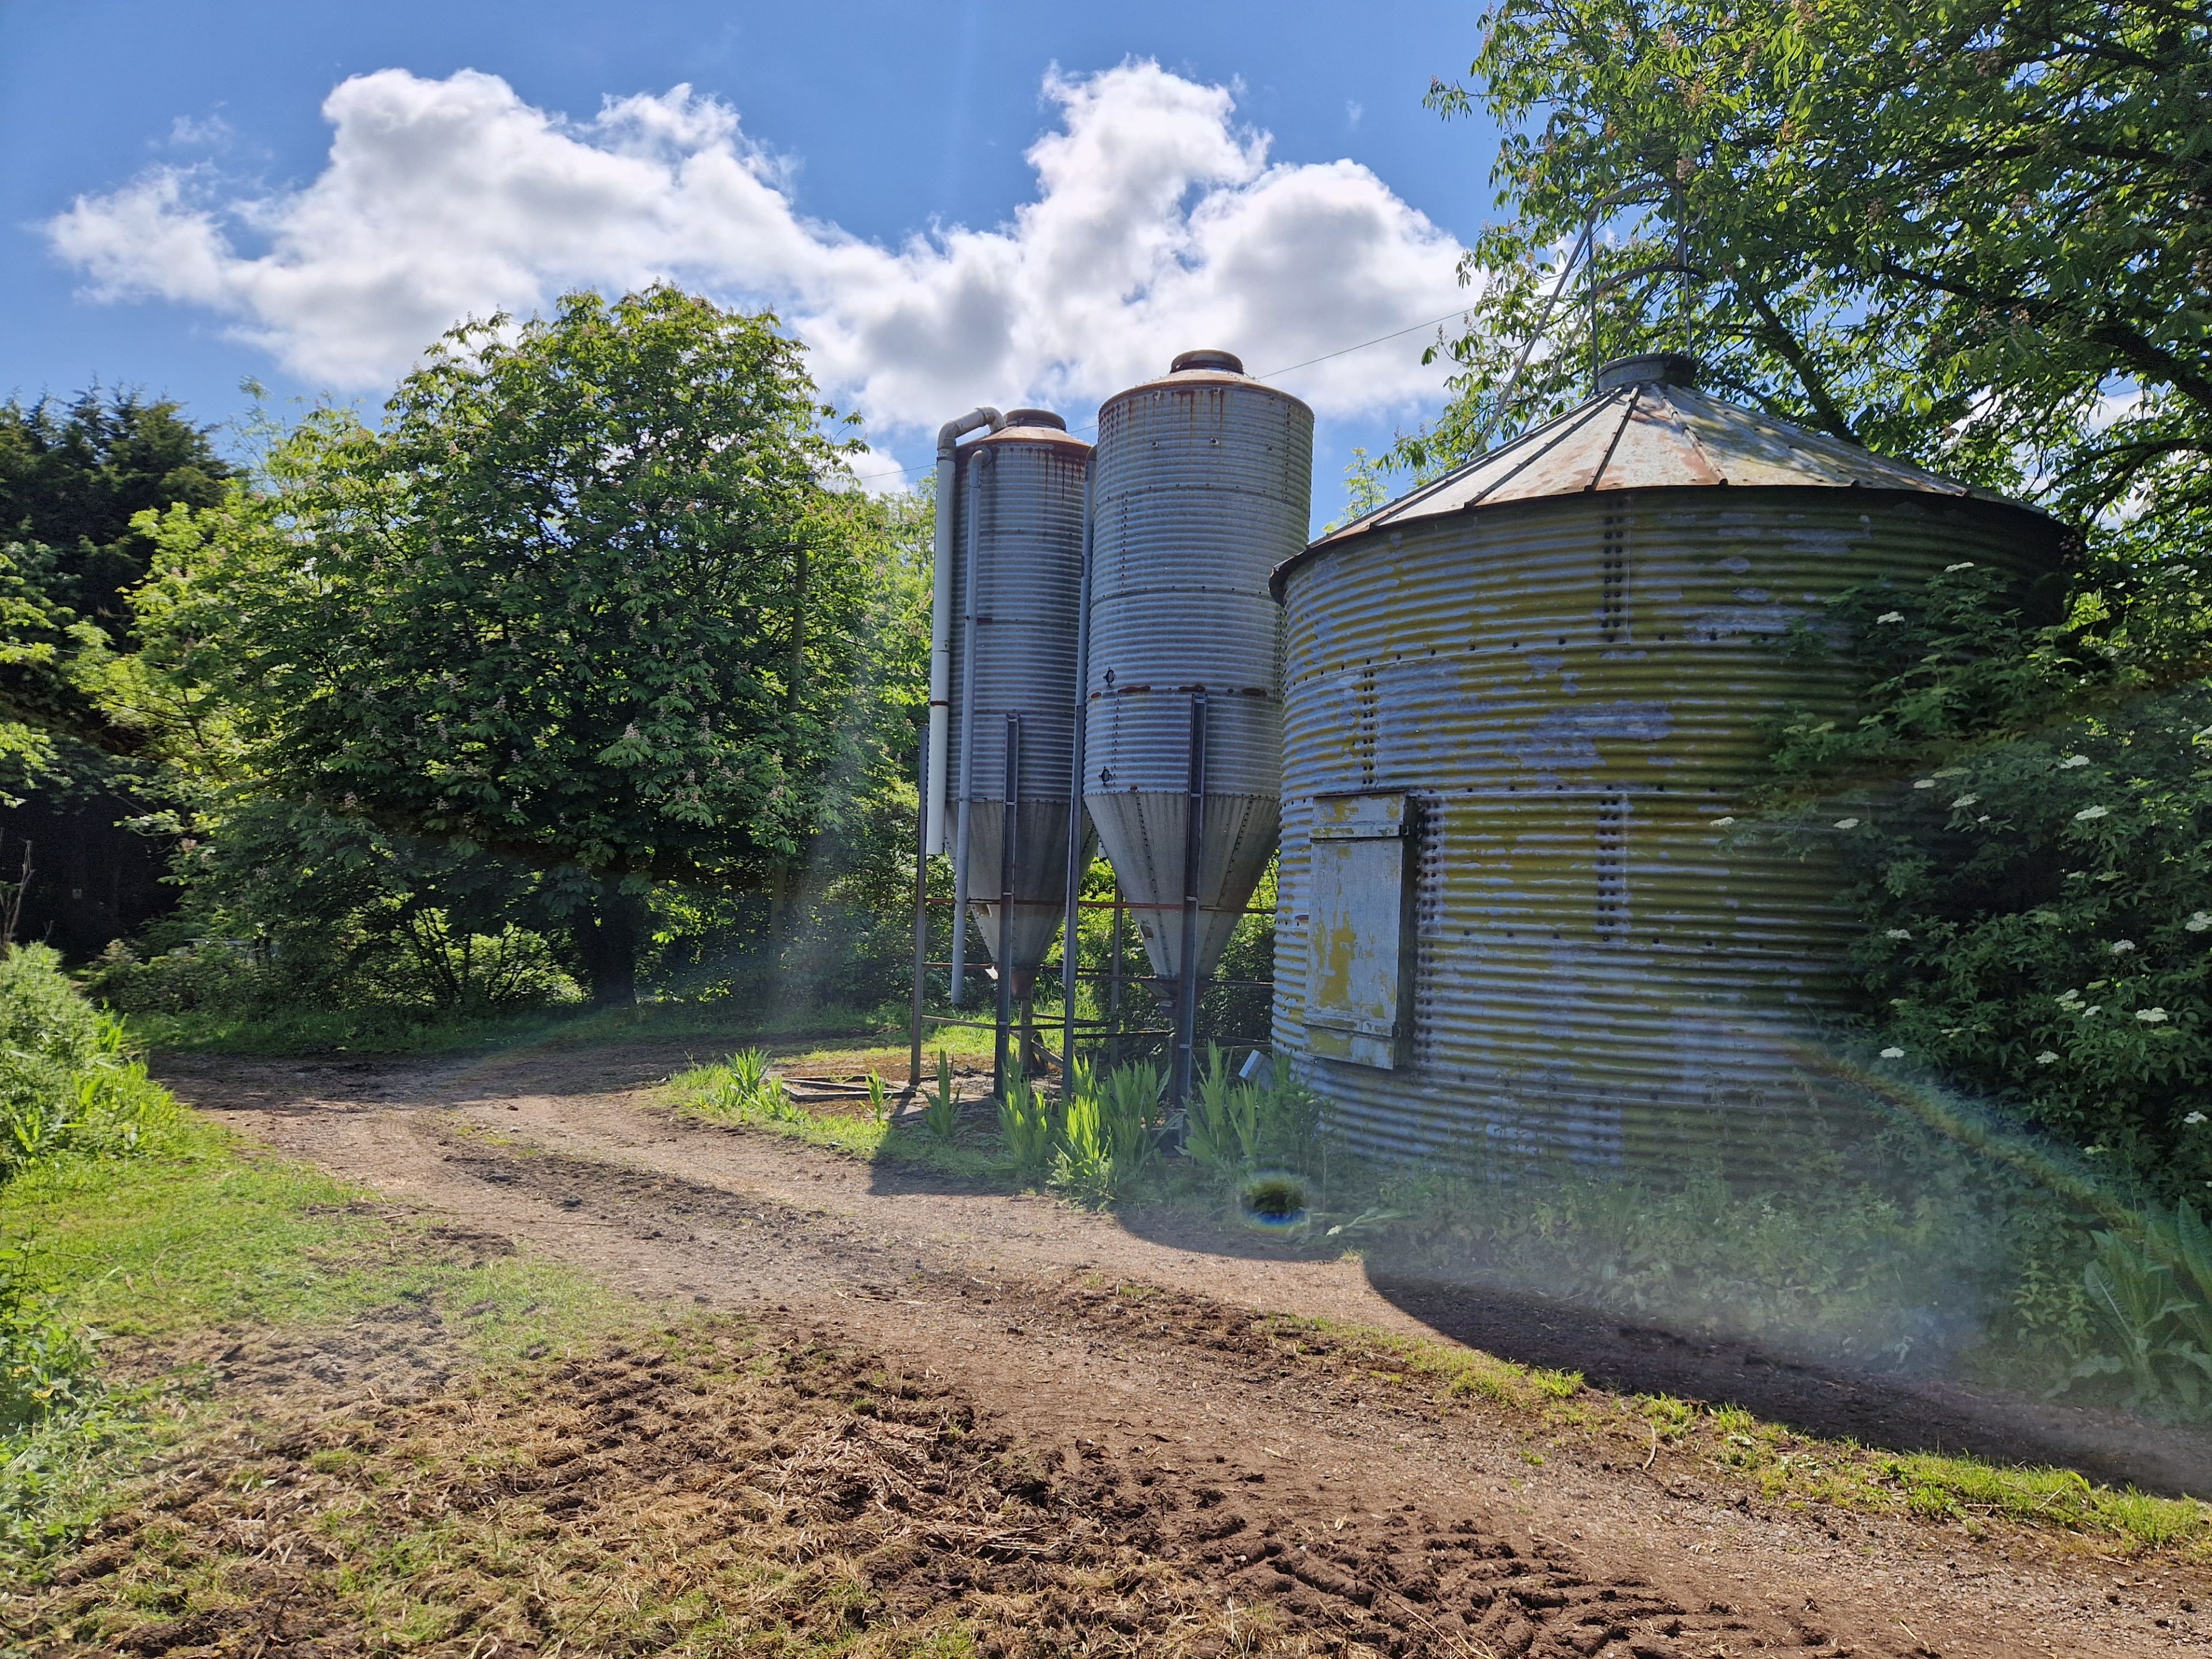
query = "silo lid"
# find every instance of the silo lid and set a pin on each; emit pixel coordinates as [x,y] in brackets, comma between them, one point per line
[1035,417]
[1649,427]
[1227,363]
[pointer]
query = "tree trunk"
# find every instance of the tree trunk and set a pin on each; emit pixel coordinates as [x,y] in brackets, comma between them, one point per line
[606,944]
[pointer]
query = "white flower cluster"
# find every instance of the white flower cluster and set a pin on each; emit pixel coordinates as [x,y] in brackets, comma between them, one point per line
[2073,760]
[2194,1119]
[1898,932]
[2120,947]
[2088,812]
[2046,1057]
[1953,569]
[2152,1016]
[1891,616]
[1893,1054]
[1847,824]
[2199,922]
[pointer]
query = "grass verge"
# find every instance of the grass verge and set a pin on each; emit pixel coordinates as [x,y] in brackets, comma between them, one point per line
[403,1031]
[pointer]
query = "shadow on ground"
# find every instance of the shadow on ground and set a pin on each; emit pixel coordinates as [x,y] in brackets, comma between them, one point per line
[1899,1414]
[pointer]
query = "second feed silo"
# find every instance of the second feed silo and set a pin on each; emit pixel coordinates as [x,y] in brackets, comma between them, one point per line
[1200,487]
[1018,576]
[1522,708]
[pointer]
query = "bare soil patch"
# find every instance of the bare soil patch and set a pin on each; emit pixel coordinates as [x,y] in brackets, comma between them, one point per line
[733,1486]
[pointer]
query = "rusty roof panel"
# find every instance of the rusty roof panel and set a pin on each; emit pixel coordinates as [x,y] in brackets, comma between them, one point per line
[1649,435]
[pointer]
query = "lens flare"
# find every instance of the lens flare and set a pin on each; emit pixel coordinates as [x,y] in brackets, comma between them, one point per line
[1274,1200]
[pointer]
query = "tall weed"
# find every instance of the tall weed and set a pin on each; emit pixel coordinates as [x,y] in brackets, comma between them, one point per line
[750,1093]
[1111,1131]
[940,1112]
[1026,1122]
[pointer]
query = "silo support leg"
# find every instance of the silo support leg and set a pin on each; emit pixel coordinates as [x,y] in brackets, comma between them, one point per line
[1010,831]
[1193,848]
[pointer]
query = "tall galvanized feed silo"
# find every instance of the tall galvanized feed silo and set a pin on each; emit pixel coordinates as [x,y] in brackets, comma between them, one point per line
[1516,701]
[1017,577]
[1201,488]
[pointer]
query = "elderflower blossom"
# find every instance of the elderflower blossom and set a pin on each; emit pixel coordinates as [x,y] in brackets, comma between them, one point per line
[2088,812]
[2047,1057]
[1847,824]
[2073,760]
[1965,801]
[1722,823]
[2094,1008]
[2194,1119]
[2068,998]
[2199,922]
[1893,1054]
[1891,616]
[2152,1016]
[1898,932]
[1923,783]
[2120,947]
[1953,569]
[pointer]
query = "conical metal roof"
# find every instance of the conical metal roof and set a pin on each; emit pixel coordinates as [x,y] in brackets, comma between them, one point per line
[1649,428]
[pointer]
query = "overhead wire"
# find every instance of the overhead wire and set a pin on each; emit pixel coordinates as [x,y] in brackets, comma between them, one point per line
[1269,375]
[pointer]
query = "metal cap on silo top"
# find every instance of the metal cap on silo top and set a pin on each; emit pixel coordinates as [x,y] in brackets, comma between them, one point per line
[1200,487]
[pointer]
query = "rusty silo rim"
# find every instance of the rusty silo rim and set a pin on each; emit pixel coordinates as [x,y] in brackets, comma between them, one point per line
[1189,379]
[2034,520]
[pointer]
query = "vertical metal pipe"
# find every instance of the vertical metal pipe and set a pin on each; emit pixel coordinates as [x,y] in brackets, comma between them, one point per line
[940,624]
[1194,842]
[960,872]
[1071,955]
[921,917]
[1114,972]
[1010,829]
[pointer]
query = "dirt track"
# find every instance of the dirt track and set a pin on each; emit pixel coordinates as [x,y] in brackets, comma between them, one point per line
[995,1300]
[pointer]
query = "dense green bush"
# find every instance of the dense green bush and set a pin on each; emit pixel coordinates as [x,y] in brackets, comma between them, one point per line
[67,1089]
[2026,817]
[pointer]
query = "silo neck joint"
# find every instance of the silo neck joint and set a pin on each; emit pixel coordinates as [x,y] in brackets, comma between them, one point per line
[1648,368]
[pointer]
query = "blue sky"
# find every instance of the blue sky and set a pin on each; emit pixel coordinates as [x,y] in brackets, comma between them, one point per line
[971,201]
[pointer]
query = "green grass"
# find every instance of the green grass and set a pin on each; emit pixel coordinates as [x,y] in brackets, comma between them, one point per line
[973,1153]
[403,1031]
[153,1254]
[198,1236]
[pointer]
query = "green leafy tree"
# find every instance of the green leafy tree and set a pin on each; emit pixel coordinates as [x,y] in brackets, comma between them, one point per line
[1974,233]
[586,600]
[72,478]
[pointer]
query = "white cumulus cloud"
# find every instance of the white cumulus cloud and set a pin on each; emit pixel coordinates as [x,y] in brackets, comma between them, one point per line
[1158,223]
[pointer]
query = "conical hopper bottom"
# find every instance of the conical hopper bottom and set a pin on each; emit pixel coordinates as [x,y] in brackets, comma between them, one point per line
[1143,835]
[1040,881]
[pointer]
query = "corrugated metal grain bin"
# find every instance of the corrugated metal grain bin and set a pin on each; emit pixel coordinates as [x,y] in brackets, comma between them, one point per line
[1203,483]
[1017,592]
[1516,701]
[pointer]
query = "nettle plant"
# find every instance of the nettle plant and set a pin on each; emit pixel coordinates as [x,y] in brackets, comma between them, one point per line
[2027,818]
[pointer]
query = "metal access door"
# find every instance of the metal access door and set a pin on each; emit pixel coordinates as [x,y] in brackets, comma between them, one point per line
[1357,954]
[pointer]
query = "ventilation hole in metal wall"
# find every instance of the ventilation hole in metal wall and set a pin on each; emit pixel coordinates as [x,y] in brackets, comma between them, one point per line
[1613,869]
[1613,607]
